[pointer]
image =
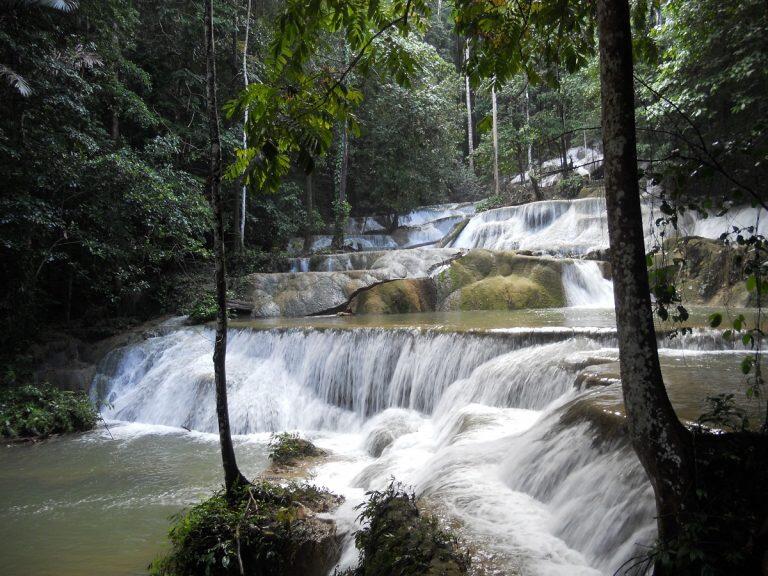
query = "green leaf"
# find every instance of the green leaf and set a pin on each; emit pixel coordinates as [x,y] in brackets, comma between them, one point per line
[715,319]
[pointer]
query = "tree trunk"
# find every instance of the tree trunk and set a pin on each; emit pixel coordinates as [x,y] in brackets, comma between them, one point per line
[342,164]
[563,143]
[470,136]
[589,160]
[232,475]
[243,191]
[310,209]
[342,161]
[662,443]
[495,142]
[534,183]
[115,131]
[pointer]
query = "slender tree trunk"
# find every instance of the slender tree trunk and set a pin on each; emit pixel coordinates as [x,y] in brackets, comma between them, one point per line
[232,475]
[342,165]
[470,136]
[662,443]
[563,143]
[495,142]
[115,132]
[244,189]
[310,209]
[534,183]
[344,162]
[589,167]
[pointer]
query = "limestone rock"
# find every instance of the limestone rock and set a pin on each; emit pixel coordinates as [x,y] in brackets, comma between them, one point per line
[485,280]
[308,293]
[396,297]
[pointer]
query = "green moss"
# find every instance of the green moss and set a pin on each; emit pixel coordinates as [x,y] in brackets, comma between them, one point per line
[28,411]
[396,297]
[398,540]
[484,280]
[265,527]
[286,448]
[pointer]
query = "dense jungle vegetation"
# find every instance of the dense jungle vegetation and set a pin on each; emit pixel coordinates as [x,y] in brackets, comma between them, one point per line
[103,144]
[112,160]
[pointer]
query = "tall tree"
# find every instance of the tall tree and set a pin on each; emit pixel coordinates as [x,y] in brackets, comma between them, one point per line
[468,93]
[660,440]
[240,211]
[495,130]
[340,205]
[232,475]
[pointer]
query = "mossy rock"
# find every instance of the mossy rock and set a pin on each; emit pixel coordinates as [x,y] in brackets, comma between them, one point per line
[287,449]
[708,272]
[485,280]
[396,297]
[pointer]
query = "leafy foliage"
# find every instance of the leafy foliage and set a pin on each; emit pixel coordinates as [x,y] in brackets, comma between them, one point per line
[31,411]
[398,540]
[264,525]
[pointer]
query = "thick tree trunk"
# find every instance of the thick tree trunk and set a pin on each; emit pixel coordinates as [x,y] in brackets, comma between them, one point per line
[240,212]
[662,443]
[232,475]
[495,142]
[309,205]
[470,136]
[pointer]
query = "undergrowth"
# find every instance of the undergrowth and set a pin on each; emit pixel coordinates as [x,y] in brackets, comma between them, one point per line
[398,540]
[260,529]
[29,411]
[286,448]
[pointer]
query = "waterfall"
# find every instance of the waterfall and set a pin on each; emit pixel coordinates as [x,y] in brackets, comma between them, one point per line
[481,423]
[560,227]
[576,227]
[585,286]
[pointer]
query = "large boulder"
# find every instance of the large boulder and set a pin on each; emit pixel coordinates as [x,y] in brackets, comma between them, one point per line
[396,297]
[485,280]
[309,293]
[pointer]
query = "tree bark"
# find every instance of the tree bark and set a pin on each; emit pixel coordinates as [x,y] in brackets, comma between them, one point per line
[232,474]
[470,136]
[662,443]
[495,142]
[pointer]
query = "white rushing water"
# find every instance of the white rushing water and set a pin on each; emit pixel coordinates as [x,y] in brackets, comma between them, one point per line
[473,421]
[576,227]
[585,286]
[562,227]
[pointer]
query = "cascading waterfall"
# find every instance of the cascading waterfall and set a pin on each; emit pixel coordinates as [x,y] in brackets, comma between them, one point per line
[474,421]
[560,227]
[585,286]
[572,228]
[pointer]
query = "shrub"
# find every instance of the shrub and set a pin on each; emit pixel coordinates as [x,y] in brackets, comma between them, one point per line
[28,411]
[265,526]
[286,448]
[570,186]
[398,540]
[495,201]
